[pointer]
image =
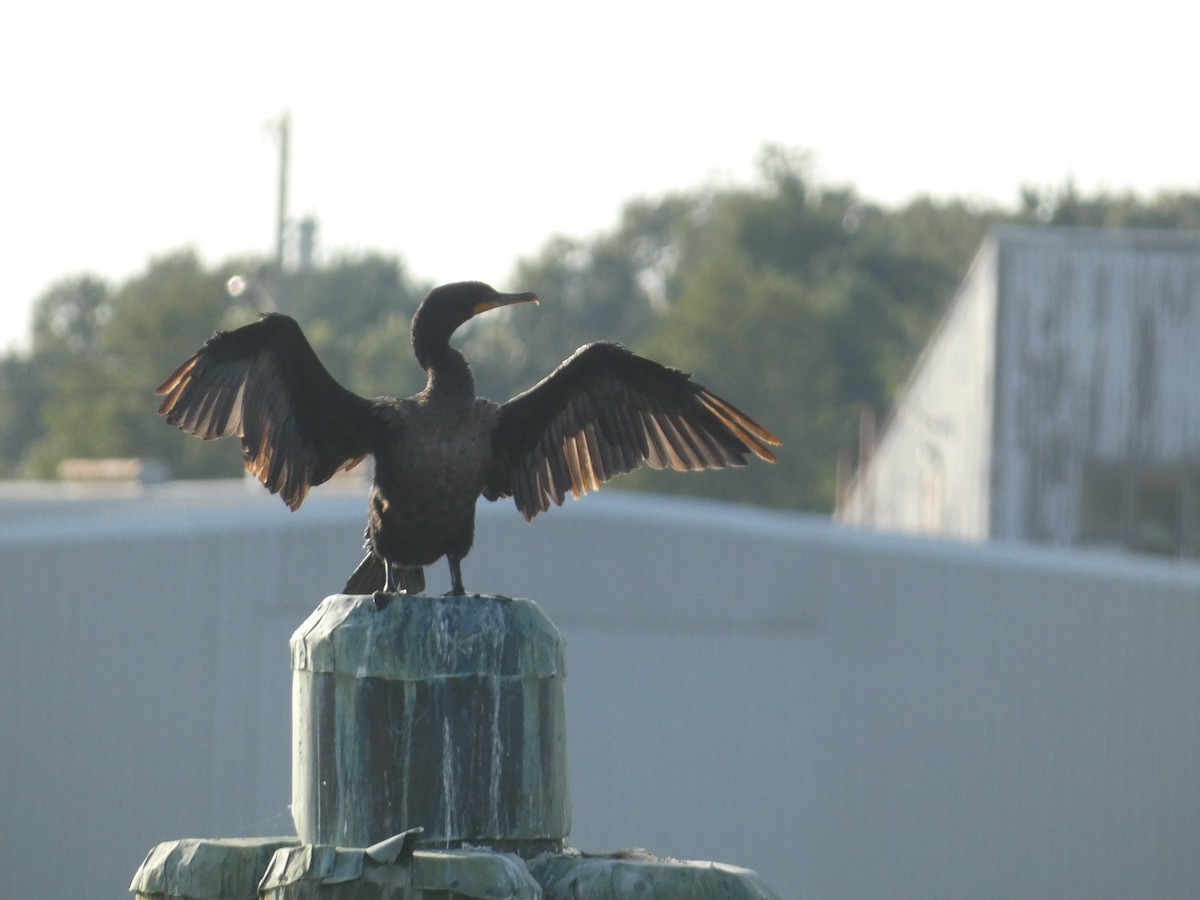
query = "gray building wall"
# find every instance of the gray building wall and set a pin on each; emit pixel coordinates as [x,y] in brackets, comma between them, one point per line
[1066,365]
[853,714]
[930,472]
[1098,362]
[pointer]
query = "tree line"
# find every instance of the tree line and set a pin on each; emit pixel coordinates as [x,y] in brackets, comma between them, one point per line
[802,303]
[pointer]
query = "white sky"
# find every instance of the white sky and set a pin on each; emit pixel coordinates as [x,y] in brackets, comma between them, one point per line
[462,135]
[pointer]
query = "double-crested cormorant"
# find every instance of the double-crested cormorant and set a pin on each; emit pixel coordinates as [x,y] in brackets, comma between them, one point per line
[602,412]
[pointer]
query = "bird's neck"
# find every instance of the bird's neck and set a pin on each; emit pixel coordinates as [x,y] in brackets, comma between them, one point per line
[449,375]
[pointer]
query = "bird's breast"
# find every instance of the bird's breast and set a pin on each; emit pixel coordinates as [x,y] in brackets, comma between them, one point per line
[430,469]
[436,452]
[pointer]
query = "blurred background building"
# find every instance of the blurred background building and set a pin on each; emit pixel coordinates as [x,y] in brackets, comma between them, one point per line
[1056,403]
[852,714]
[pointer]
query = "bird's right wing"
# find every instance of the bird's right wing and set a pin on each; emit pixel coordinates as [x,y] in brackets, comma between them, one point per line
[606,411]
[264,383]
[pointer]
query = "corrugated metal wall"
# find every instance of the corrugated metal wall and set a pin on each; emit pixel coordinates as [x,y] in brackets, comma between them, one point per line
[852,714]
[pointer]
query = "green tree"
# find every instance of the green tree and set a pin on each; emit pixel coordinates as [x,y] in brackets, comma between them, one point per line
[99,354]
[800,302]
[1065,206]
[68,317]
[101,402]
[607,287]
[23,391]
[66,323]
[356,312]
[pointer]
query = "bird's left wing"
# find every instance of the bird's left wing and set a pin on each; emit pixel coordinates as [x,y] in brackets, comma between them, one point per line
[603,412]
[264,383]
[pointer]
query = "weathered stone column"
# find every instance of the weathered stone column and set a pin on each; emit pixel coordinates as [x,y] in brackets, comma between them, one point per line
[440,712]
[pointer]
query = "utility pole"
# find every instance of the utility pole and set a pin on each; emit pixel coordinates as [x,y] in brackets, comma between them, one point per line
[284,128]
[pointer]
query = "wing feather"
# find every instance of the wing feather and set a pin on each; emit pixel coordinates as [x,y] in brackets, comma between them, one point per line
[575,466]
[263,383]
[666,454]
[604,412]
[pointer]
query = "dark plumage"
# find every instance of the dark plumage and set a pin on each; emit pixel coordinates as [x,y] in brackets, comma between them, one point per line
[602,412]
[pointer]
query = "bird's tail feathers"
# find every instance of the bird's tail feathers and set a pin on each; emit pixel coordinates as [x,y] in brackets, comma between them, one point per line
[368,578]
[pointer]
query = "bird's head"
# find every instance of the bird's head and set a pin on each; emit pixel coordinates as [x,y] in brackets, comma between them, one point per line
[449,306]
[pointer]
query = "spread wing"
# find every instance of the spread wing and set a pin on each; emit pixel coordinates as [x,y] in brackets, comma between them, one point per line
[606,411]
[264,383]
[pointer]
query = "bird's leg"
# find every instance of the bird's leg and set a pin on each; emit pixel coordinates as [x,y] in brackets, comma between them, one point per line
[456,585]
[389,586]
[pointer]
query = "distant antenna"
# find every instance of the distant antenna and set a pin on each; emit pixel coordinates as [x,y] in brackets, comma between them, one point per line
[307,248]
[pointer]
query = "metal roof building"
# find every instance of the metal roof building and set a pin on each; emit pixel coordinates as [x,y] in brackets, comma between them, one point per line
[1056,403]
[851,714]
